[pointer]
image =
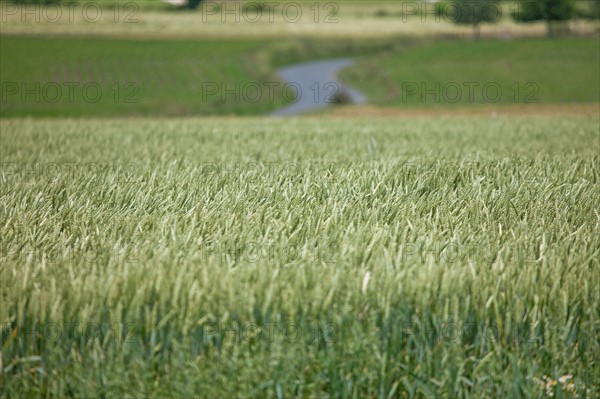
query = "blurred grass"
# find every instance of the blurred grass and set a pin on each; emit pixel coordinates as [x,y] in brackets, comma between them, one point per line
[369,237]
[135,77]
[565,70]
[168,77]
[155,77]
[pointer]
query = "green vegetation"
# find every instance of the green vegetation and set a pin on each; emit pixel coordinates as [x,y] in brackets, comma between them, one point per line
[461,73]
[550,11]
[171,77]
[155,77]
[405,258]
[107,77]
[222,256]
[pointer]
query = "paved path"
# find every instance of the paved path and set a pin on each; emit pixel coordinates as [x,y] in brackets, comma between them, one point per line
[316,85]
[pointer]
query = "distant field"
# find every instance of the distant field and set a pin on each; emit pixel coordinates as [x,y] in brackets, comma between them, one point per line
[524,71]
[111,77]
[83,76]
[309,257]
[70,76]
[305,18]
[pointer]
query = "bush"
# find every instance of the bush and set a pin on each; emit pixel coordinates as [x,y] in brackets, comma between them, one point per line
[341,97]
[193,4]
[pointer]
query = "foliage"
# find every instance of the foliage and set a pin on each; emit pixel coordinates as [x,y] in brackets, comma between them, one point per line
[545,10]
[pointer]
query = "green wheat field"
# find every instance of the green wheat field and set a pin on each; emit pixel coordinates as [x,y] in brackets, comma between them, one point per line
[159,239]
[398,257]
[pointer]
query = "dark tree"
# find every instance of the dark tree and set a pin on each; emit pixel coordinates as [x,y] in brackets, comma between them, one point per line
[472,12]
[193,4]
[551,11]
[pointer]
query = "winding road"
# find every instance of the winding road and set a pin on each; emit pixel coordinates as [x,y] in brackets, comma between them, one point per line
[316,86]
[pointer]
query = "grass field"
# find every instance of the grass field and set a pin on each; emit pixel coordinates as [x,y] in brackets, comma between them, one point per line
[77,76]
[253,257]
[74,76]
[458,73]
[106,77]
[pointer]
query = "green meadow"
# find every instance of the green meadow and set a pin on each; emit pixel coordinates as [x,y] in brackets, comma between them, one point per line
[459,73]
[70,76]
[102,77]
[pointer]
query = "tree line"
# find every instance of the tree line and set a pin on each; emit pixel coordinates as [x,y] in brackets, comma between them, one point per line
[477,12]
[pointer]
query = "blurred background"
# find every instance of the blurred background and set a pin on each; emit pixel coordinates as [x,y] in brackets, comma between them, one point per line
[191,57]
